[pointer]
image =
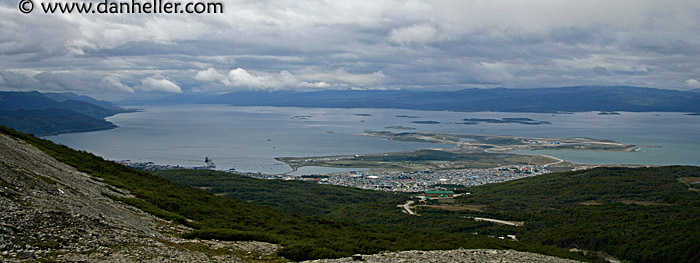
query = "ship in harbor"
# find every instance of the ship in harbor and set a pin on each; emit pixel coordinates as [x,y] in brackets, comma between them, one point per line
[209,164]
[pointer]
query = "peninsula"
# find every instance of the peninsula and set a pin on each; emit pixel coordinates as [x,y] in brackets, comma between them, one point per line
[469,151]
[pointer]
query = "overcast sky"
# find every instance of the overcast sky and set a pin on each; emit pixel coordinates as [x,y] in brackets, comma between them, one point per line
[377,44]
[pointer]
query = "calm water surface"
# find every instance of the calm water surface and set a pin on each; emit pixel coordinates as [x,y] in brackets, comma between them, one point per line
[248,138]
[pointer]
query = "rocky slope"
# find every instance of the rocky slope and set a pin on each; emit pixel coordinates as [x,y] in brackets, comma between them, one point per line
[454,256]
[51,212]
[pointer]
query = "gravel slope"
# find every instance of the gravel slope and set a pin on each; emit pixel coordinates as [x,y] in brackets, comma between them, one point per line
[454,256]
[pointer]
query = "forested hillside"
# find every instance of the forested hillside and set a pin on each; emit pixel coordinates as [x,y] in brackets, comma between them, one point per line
[302,237]
[54,113]
[641,214]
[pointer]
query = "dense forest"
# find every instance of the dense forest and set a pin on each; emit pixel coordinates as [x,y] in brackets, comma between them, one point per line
[295,197]
[641,214]
[52,121]
[55,113]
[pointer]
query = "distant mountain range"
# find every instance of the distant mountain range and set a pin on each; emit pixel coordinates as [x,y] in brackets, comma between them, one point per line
[54,113]
[567,99]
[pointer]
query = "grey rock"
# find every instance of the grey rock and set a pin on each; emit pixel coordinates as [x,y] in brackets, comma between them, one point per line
[456,256]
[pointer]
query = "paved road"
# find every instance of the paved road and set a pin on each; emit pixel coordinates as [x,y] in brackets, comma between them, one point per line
[500,222]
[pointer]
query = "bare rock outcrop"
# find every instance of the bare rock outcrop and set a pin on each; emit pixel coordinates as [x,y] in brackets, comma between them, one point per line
[454,256]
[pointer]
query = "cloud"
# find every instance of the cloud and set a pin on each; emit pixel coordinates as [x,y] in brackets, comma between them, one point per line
[417,34]
[211,75]
[346,78]
[601,70]
[158,83]
[113,83]
[239,77]
[17,81]
[693,83]
[44,81]
[296,44]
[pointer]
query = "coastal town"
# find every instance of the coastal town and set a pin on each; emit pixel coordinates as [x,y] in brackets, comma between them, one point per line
[416,181]
[391,180]
[394,181]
